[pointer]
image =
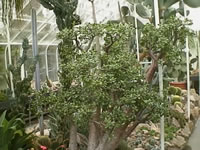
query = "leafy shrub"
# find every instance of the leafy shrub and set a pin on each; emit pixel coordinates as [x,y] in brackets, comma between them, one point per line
[13,134]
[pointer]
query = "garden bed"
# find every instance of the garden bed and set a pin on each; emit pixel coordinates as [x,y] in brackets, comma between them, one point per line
[177,132]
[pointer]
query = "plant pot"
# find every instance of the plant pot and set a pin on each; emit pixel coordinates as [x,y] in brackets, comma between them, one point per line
[182,85]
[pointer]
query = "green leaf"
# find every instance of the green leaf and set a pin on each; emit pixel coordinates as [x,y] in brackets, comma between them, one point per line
[131,20]
[193,60]
[148,2]
[175,73]
[125,10]
[19,132]
[192,3]
[2,118]
[177,67]
[134,1]
[180,10]
[169,3]
[169,12]
[143,11]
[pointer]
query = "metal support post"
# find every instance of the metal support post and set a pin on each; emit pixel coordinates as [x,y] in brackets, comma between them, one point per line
[198,53]
[46,61]
[37,69]
[22,67]
[188,67]
[9,55]
[57,62]
[136,33]
[160,72]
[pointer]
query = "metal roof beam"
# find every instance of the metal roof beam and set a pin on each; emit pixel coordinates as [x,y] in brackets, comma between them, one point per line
[46,35]
[42,26]
[24,26]
[18,43]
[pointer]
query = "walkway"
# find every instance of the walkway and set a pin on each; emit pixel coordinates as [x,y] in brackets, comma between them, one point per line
[194,140]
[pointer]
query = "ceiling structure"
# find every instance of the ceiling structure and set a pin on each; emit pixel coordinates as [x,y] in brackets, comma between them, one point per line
[21,28]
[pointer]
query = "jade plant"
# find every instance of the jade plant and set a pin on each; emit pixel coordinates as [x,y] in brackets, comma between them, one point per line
[145,9]
[104,88]
[165,43]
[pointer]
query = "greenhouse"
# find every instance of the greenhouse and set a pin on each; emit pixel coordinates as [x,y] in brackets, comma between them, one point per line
[99,74]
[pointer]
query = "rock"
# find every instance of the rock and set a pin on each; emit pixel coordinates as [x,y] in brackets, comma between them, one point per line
[179,109]
[46,132]
[145,131]
[142,125]
[199,102]
[179,132]
[155,128]
[168,144]
[186,131]
[195,113]
[178,141]
[156,137]
[139,149]
[192,98]
[184,92]
[139,146]
[173,148]
[175,122]
[193,92]
[191,125]
[191,106]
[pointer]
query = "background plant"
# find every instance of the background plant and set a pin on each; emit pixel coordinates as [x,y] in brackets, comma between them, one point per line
[22,87]
[13,134]
[165,43]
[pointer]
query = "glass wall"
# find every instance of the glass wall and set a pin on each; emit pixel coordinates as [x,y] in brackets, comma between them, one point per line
[3,84]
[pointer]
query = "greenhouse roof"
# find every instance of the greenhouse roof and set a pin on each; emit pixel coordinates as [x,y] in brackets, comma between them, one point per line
[21,28]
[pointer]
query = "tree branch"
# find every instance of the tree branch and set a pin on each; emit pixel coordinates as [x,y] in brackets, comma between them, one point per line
[152,55]
[111,43]
[93,132]
[118,135]
[130,129]
[89,44]
[78,44]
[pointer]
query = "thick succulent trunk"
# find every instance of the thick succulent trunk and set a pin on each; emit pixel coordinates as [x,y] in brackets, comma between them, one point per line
[102,142]
[113,143]
[92,140]
[151,71]
[93,131]
[73,137]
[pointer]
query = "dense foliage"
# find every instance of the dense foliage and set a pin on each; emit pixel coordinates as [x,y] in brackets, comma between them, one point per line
[106,87]
[64,11]
[164,44]
[22,87]
[13,134]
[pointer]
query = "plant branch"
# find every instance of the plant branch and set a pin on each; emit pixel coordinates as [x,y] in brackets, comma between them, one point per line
[89,44]
[78,44]
[110,44]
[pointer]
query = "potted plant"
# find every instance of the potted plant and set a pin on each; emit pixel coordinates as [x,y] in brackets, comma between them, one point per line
[177,70]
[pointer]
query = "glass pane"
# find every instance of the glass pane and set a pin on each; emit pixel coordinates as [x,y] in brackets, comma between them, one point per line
[52,63]
[3,84]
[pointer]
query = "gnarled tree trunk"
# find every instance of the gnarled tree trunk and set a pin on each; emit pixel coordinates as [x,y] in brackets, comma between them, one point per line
[73,137]
[151,71]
